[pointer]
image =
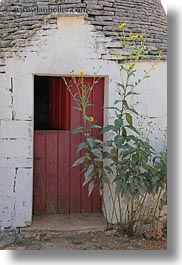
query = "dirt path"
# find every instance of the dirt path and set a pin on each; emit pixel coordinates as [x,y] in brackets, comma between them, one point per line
[107,240]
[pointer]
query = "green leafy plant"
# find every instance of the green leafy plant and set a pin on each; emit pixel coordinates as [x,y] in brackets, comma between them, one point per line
[131,155]
[91,148]
[137,173]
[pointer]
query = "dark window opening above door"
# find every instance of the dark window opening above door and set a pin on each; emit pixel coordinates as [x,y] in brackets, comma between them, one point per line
[51,104]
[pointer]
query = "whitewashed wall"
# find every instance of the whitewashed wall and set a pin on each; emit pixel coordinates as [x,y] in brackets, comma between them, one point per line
[72,45]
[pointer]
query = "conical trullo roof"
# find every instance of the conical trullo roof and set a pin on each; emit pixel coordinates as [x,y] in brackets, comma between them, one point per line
[18,21]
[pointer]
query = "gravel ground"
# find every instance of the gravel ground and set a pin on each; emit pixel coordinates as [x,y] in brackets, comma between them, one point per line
[107,240]
[8,237]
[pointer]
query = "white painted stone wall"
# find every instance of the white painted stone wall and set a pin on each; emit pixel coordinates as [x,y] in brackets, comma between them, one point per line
[55,52]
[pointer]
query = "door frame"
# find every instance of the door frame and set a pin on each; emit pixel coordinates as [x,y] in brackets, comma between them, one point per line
[105,89]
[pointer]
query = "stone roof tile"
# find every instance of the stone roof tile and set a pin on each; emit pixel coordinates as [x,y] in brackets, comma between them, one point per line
[17,21]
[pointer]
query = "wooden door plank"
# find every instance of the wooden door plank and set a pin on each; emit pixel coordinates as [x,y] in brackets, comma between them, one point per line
[92,203]
[52,111]
[75,172]
[63,172]
[86,201]
[51,172]
[39,184]
[57,101]
[65,107]
[98,99]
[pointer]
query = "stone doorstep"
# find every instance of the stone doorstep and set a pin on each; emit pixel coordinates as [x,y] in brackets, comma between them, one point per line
[38,235]
[33,231]
[67,223]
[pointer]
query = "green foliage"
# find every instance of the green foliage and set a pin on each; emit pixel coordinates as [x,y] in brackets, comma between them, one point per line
[138,171]
[91,148]
[133,167]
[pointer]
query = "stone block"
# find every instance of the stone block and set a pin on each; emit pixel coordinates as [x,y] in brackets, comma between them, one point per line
[24,182]
[23,98]
[106,3]
[2,69]
[13,162]
[5,98]
[7,204]
[6,190]
[95,7]
[16,129]
[114,44]
[16,148]
[24,191]
[5,113]
[2,62]
[6,210]
[100,18]
[6,176]
[100,12]
[108,57]
[23,174]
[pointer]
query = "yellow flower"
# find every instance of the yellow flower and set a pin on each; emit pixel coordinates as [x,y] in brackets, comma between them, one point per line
[134,36]
[122,25]
[81,73]
[92,119]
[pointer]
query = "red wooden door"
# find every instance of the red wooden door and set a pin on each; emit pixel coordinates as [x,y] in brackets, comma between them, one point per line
[58,188]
